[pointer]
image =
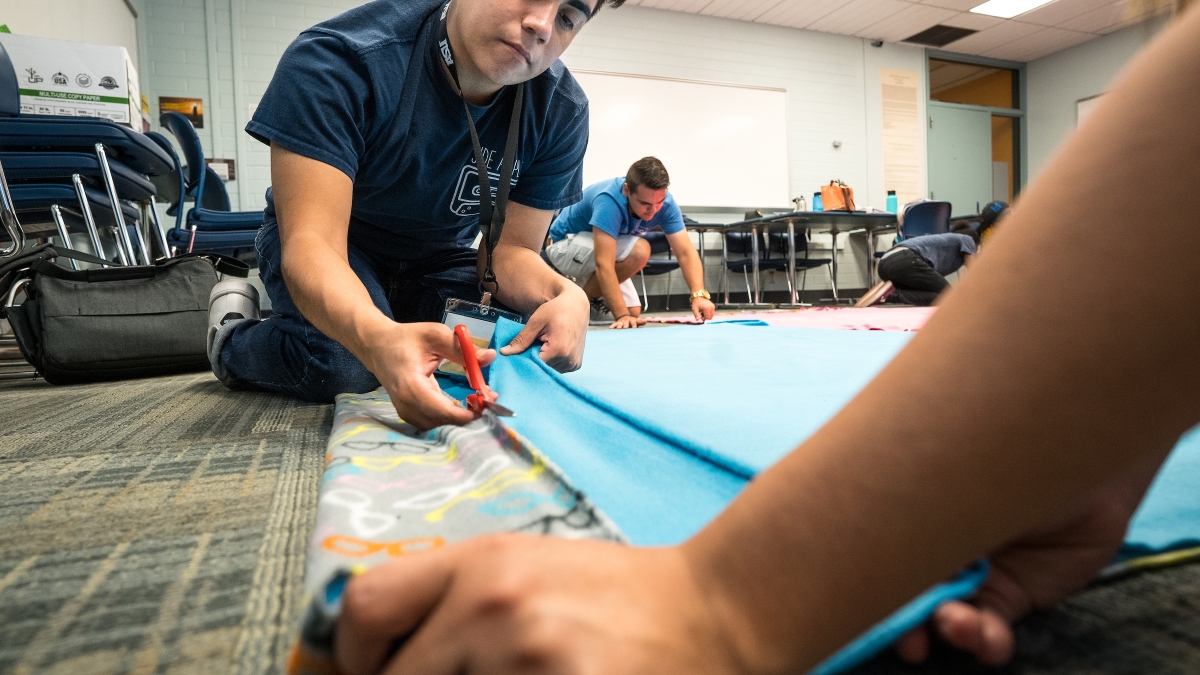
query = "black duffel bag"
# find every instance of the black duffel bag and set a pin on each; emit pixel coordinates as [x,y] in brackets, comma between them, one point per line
[116,323]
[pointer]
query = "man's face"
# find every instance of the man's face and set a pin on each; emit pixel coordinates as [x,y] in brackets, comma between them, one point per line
[512,41]
[644,203]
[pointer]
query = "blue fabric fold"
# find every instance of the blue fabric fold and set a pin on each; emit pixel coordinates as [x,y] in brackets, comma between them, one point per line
[662,428]
[1169,516]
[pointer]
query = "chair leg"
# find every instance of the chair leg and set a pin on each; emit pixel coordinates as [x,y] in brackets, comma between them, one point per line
[668,291]
[124,243]
[63,234]
[88,220]
[746,278]
[156,227]
[645,295]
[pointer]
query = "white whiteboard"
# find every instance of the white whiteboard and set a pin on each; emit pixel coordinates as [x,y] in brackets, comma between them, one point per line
[723,145]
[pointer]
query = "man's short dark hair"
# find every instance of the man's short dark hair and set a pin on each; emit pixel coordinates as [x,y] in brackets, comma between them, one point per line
[647,171]
[611,3]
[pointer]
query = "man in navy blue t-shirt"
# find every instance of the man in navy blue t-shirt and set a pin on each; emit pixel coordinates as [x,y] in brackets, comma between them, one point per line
[375,197]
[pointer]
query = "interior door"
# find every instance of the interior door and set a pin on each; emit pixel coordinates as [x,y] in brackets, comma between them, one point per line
[960,157]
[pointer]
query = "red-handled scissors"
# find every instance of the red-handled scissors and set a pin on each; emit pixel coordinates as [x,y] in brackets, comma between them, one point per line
[477,401]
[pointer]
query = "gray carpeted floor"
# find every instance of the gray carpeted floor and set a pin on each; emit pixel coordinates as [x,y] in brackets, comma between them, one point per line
[160,526]
[153,526]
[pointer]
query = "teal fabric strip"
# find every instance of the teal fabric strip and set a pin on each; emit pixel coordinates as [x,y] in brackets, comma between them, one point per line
[1169,516]
[657,490]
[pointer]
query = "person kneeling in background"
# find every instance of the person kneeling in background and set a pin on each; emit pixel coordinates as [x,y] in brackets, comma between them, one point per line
[598,242]
[914,271]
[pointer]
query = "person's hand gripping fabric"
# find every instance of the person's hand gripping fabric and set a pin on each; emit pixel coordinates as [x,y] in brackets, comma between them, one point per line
[404,361]
[1033,572]
[560,325]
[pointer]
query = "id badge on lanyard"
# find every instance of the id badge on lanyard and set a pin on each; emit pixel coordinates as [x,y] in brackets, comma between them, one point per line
[480,320]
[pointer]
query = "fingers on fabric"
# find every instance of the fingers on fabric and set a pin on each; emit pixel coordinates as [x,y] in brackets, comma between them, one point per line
[980,632]
[386,604]
[526,338]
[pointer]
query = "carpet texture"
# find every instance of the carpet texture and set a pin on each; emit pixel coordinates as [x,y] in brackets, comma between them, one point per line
[153,526]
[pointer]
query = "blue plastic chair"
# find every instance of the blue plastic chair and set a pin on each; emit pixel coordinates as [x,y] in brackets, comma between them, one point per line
[772,255]
[926,217]
[60,167]
[216,227]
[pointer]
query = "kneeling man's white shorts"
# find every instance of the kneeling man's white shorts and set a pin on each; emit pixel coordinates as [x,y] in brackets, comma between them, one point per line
[575,258]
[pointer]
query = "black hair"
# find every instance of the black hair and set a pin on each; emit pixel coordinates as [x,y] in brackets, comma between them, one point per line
[612,3]
[962,227]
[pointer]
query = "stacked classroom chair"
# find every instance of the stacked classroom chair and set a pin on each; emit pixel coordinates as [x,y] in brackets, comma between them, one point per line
[210,225]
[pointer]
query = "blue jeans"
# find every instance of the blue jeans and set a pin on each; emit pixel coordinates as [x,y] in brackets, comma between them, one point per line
[286,354]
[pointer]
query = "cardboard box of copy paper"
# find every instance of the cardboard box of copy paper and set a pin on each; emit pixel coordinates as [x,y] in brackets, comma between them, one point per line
[74,79]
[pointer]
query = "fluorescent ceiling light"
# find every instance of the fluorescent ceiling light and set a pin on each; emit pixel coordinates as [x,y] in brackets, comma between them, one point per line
[1007,9]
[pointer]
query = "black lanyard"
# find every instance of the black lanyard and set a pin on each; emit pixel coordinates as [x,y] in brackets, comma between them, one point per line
[491,220]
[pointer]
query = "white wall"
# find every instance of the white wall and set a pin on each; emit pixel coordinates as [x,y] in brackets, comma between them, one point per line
[98,22]
[832,83]
[1056,82]
[833,94]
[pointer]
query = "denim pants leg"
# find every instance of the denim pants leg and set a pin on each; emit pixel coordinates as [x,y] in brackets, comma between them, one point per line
[285,353]
[916,282]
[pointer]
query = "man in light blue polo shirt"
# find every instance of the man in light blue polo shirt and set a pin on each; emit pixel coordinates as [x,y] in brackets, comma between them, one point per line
[598,244]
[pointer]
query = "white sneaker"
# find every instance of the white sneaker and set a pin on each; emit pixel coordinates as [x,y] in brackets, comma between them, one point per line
[230,300]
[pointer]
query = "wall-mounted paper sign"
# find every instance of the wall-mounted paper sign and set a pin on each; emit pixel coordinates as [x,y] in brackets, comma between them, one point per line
[223,168]
[192,108]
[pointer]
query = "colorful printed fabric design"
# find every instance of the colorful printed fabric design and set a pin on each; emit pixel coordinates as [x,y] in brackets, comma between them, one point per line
[390,491]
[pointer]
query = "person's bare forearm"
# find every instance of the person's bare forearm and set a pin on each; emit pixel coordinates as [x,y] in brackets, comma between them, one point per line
[1033,386]
[691,267]
[312,202]
[526,282]
[329,294]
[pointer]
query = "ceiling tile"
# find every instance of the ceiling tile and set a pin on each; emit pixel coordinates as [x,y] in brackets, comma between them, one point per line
[857,15]
[746,10]
[1055,13]
[992,38]
[972,21]
[689,6]
[1036,45]
[907,22]
[1098,20]
[800,13]
[960,5]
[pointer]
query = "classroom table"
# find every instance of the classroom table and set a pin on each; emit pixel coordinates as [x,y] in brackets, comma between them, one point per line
[833,222]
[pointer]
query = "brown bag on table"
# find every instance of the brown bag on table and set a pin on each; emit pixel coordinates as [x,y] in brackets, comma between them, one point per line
[837,196]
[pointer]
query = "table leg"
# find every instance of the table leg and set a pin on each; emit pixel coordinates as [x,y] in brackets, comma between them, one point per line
[754,253]
[725,267]
[870,258]
[792,258]
[833,265]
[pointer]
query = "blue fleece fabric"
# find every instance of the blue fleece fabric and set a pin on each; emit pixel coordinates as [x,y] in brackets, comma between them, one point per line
[712,406]
[1169,516]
